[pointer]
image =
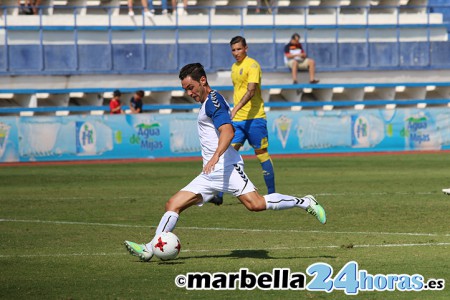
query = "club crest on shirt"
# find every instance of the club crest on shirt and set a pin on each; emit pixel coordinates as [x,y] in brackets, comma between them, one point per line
[241,71]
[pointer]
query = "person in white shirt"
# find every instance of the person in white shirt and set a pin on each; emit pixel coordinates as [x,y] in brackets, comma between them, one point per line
[223,167]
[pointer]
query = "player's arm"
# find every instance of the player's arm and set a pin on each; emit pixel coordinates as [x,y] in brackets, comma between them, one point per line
[251,89]
[226,134]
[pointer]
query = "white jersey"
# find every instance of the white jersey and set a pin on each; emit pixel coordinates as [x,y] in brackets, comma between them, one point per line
[214,113]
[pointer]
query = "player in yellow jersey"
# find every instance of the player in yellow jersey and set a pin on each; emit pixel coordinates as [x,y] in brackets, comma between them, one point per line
[249,118]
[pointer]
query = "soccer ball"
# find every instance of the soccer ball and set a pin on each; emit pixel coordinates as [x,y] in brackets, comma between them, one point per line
[166,246]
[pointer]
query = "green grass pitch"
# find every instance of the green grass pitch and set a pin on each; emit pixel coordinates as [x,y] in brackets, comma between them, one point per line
[62,227]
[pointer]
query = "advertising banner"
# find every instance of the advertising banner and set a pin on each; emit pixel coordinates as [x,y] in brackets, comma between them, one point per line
[86,137]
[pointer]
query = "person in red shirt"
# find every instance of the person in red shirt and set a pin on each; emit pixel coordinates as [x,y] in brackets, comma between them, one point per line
[115,105]
[296,59]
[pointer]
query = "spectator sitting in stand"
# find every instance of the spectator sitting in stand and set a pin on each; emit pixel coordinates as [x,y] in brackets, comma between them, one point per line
[136,102]
[296,59]
[115,105]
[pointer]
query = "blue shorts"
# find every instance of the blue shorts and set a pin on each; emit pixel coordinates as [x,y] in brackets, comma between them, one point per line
[254,131]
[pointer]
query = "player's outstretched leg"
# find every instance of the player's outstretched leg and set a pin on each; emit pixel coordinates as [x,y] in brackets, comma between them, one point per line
[145,251]
[278,201]
[139,250]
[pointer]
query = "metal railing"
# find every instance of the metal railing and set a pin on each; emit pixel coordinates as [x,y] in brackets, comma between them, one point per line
[279,105]
[442,102]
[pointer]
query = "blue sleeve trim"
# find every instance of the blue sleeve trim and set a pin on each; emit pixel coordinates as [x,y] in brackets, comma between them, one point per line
[218,110]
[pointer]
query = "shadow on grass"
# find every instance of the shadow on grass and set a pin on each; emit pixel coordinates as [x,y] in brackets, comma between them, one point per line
[238,254]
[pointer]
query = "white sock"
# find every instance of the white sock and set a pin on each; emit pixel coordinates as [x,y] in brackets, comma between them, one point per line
[278,201]
[167,223]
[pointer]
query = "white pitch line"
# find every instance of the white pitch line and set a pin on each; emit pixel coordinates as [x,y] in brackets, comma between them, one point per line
[376,193]
[314,231]
[71,198]
[61,255]
[316,194]
[75,223]
[225,250]
[227,229]
[328,247]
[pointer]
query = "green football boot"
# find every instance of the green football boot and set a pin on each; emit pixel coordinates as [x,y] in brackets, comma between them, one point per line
[139,250]
[316,209]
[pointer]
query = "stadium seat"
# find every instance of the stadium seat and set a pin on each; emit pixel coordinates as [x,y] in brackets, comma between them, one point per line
[437,92]
[379,93]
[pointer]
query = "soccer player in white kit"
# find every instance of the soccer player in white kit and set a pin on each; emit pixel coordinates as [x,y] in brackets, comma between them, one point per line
[223,167]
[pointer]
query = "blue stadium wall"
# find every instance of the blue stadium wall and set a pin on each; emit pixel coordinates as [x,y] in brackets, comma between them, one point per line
[86,137]
[155,58]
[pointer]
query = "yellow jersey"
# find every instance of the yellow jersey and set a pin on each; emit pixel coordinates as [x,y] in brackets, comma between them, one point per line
[248,70]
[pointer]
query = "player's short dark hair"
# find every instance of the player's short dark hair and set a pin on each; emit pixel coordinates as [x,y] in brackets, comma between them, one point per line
[195,70]
[295,35]
[140,93]
[117,93]
[238,39]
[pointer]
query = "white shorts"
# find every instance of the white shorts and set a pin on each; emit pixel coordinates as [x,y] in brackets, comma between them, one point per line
[230,180]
